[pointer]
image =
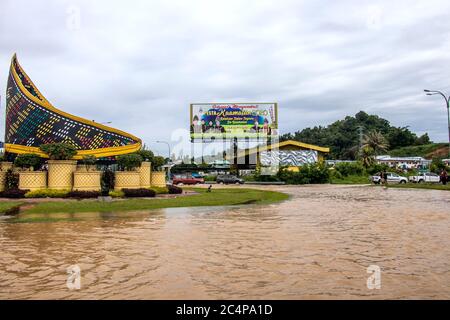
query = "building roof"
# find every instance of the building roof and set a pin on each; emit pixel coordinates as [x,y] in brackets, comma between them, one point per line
[279,145]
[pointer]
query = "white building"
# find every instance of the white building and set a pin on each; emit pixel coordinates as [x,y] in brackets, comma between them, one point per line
[403,162]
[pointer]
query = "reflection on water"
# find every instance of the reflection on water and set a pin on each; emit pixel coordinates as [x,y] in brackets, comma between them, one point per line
[316,245]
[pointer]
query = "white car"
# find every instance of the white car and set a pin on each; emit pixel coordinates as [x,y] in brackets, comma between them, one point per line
[429,177]
[391,178]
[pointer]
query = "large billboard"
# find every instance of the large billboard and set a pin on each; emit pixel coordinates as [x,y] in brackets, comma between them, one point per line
[233,120]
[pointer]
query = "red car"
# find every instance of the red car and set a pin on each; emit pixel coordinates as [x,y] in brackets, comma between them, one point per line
[187,179]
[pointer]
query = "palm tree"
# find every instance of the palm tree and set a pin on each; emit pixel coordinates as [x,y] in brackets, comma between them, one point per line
[367,156]
[375,141]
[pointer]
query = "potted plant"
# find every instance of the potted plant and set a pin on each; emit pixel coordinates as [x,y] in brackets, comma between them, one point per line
[60,166]
[4,164]
[129,178]
[86,177]
[28,178]
[87,163]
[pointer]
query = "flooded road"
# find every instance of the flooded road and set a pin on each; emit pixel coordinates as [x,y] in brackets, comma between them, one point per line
[316,245]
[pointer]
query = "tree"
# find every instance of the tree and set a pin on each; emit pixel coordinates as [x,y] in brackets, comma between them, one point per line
[158,162]
[375,141]
[367,156]
[129,162]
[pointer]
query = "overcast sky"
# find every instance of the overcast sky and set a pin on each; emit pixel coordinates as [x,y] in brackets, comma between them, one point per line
[140,63]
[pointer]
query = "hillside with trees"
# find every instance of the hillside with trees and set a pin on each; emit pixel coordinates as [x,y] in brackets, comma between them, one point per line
[351,137]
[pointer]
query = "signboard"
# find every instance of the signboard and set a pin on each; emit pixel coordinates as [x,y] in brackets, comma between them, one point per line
[233,120]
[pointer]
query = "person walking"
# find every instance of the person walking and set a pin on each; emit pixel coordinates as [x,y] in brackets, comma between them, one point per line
[444,177]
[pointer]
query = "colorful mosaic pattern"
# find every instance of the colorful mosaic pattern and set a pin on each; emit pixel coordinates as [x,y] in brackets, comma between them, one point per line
[31,124]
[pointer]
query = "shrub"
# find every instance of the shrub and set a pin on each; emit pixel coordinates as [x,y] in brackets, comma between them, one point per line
[11,180]
[28,160]
[437,165]
[349,168]
[107,181]
[174,189]
[158,162]
[88,161]
[312,173]
[13,193]
[334,174]
[84,194]
[142,192]
[160,190]
[375,168]
[116,194]
[59,151]
[129,162]
[47,193]
[210,178]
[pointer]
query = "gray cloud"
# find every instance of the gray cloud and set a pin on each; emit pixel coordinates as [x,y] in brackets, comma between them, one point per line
[139,65]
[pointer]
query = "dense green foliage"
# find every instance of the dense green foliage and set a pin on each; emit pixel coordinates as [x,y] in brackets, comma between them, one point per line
[146,155]
[59,151]
[28,160]
[158,162]
[11,180]
[343,136]
[313,173]
[129,162]
[107,181]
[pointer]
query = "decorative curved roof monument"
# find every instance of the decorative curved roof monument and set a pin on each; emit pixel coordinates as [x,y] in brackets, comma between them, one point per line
[31,120]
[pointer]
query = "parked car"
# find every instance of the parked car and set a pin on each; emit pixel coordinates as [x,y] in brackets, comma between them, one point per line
[429,177]
[228,178]
[187,179]
[391,178]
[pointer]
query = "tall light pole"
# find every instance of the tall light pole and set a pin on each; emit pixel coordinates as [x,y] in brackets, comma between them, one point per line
[447,99]
[168,145]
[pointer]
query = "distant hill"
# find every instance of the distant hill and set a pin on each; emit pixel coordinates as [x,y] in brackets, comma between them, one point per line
[428,151]
[343,136]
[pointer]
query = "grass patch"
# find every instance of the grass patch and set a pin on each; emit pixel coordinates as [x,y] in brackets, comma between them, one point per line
[5,206]
[351,179]
[429,186]
[218,197]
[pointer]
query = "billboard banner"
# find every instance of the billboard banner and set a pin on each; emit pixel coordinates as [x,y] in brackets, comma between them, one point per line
[233,120]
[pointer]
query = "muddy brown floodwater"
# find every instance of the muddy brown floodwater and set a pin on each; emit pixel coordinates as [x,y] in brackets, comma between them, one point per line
[318,245]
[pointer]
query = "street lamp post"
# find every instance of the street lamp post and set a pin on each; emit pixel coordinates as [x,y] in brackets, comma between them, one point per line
[447,101]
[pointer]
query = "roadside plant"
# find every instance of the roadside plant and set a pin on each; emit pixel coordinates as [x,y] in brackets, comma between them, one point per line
[132,193]
[47,193]
[83,194]
[129,162]
[174,189]
[11,180]
[158,162]
[107,181]
[13,193]
[28,161]
[59,151]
